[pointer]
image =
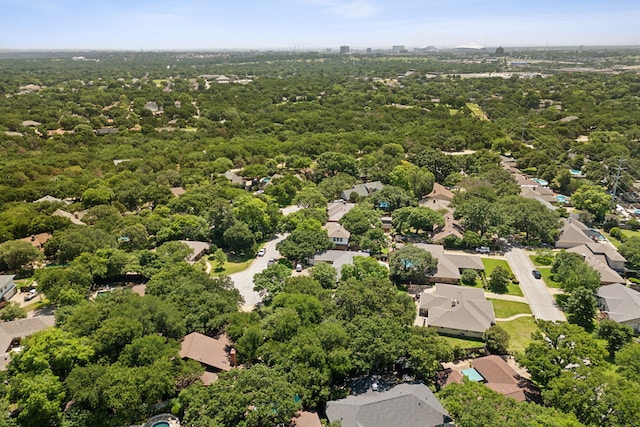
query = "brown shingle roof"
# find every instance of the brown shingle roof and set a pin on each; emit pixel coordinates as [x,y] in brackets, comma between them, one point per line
[209,351]
[440,192]
[500,377]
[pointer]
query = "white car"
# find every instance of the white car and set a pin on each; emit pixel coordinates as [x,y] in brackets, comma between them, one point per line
[262,251]
[298,268]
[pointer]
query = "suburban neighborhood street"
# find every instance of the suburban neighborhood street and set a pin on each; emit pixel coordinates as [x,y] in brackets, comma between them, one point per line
[243,280]
[535,291]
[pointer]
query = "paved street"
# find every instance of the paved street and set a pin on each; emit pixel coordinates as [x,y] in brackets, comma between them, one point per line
[243,280]
[535,291]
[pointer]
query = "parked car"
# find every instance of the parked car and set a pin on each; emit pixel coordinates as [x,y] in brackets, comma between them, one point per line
[536,274]
[298,268]
[262,251]
[271,261]
[30,295]
[483,249]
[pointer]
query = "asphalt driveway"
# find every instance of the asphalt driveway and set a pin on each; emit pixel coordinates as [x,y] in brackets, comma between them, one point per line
[535,291]
[243,281]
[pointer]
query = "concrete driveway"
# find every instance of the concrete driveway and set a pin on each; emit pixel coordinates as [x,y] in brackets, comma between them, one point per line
[243,281]
[535,291]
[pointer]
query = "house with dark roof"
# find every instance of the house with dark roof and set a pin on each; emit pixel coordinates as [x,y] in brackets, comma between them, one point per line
[215,354]
[7,287]
[198,249]
[405,405]
[457,310]
[38,240]
[51,199]
[620,304]
[361,190]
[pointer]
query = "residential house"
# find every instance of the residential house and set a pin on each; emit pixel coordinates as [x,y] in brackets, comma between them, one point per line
[601,257]
[387,223]
[457,310]
[7,288]
[306,419]
[215,354]
[439,192]
[573,233]
[51,199]
[620,304]
[542,194]
[198,249]
[234,178]
[38,240]
[405,405]
[338,235]
[153,107]
[361,190]
[13,332]
[336,258]
[107,131]
[177,191]
[336,210]
[450,264]
[31,123]
[75,217]
[496,374]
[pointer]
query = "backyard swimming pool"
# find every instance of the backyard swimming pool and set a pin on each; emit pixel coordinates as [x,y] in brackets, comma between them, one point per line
[561,198]
[541,181]
[162,424]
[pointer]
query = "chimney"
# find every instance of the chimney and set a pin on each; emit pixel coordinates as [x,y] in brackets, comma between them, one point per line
[454,302]
[33,237]
[232,356]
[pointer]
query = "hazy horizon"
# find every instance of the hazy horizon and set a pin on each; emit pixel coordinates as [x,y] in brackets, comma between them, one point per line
[168,25]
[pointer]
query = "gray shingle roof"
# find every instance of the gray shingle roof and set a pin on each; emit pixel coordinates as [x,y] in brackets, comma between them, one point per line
[22,328]
[457,307]
[406,405]
[621,303]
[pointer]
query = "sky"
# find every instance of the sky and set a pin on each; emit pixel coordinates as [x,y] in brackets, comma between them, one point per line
[314,24]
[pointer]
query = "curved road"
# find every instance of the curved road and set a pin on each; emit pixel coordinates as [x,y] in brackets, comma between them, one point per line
[243,281]
[535,291]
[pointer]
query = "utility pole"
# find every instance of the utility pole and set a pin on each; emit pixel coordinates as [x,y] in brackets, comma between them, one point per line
[618,170]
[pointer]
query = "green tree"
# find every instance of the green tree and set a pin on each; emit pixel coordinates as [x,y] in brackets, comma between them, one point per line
[416,218]
[557,347]
[593,199]
[617,335]
[468,277]
[628,361]
[270,282]
[581,307]
[97,196]
[221,258]
[573,272]
[12,311]
[39,398]
[390,198]
[418,181]
[17,254]
[374,241]
[224,403]
[364,267]
[325,274]
[499,280]
[412,264]
[331,163]
[496,339]
[630,249]
[304,242]
[310,197]
[239,239]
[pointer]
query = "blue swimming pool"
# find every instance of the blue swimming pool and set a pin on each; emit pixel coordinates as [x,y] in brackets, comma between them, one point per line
[162,424]
[473,375]
[575,171]
[561,198]
[541,181]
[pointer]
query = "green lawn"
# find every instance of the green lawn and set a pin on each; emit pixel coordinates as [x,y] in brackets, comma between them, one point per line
[27,281]
[233,265]
[520,331]
[513,289]
[505,309]
[491,263]
[462,343]
[546,276]
[477,111]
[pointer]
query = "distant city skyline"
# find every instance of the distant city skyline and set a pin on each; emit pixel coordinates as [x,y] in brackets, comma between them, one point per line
[314,24]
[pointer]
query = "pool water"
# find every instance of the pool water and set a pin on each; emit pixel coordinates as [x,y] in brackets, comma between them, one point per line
[541,181]
[561,198]
[161,424]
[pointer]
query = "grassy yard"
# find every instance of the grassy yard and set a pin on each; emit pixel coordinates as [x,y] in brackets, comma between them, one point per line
[546,276]
[504,309]
[477,111]
[491,263]
[513,289]
[233,265]
[520,331]
[463,343]
[27,281]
